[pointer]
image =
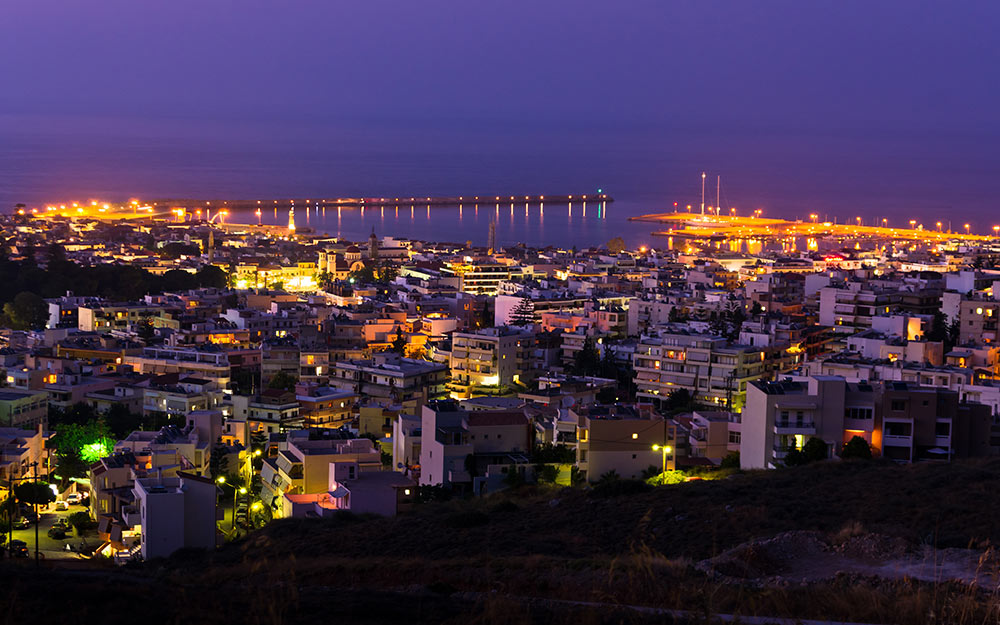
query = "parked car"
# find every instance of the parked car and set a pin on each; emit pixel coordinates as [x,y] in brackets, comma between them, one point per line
[74,498]
[62,505]
[57,533]
[18,548]
[22,523]
[62,524]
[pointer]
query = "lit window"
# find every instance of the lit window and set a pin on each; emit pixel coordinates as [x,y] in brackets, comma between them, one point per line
[635,435]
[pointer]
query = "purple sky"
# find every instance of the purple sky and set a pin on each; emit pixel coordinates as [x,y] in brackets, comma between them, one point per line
[773,85]
[897,64]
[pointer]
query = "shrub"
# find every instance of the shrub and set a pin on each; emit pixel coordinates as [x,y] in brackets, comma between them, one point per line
[619,487]
[464,520]
[857,447]
[547,474]
[81,521]
[731,461]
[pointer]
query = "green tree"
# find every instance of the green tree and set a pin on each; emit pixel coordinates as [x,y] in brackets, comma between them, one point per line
[756,309]
[616,245]
[34,493]
[523,313]
[28,311]
[815,450]
[283,380]
[70,464]
[857,447]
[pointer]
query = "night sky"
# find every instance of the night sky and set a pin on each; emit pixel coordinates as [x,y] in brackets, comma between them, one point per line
[787,99]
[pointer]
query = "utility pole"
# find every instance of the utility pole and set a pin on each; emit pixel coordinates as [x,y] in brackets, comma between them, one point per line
[34,467]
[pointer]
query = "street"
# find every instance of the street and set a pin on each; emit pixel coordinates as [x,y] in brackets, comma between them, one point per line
[52,548]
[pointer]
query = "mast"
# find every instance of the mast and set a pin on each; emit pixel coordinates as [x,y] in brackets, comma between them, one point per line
[718,185]
[702,194]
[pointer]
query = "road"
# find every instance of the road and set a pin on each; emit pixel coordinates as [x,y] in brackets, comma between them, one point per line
[52,548]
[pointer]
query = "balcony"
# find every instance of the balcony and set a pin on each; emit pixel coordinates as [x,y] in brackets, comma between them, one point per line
[896,440]
[794,427]
[459,476]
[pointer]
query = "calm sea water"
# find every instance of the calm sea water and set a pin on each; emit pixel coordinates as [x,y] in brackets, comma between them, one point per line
[787,172]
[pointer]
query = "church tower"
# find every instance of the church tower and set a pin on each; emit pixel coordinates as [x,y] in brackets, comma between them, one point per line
[373,245]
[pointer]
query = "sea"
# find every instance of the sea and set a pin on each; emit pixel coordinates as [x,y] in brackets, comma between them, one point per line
[839,174]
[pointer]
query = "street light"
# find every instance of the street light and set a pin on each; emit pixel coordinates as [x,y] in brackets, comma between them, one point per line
[664,451]
[966,229]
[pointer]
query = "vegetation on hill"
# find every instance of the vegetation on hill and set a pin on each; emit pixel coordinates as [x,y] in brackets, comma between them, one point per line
[489,557]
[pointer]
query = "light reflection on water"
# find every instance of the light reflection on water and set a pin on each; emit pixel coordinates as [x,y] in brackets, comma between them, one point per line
[577,223]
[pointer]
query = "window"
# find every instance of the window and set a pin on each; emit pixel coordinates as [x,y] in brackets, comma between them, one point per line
[734,437]
[942,428]
[898,405]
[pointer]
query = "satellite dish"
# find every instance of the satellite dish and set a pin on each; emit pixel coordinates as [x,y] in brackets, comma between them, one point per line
[399,465]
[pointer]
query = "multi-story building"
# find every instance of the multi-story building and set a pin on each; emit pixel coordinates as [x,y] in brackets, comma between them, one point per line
[23,409]
[302,467]
[624,440]
[273,410]
[208,362]
[325,407]
[490,358]
[388,379]
[173,513]
[23,453]
[712,369]
[852,308]
[456,446]
[901,421]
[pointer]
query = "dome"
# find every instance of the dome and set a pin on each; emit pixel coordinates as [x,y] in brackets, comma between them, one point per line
[354,249]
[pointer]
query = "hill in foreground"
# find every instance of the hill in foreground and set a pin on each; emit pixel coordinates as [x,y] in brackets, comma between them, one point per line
[780,543]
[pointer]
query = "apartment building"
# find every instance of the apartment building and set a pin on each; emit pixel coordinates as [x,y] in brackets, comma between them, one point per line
[456,446]
[852,308]
[388,379]
[302,467]
[902,421]
[273,410]
[487,359]
[23,409]
[624,440]
[23,452]
[208,362]
[324,406]
[713,370]
[173,513]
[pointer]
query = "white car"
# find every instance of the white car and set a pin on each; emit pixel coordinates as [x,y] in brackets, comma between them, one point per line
[62,505]
[74,498]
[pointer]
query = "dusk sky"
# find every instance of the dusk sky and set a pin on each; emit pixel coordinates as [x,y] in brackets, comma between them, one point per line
[917,77]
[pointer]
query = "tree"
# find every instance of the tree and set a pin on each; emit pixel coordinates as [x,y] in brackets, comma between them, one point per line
[857,447]
[587,361]
[756,309]
[954,334]
[815,450]
[680,399]
[399,343]
[34,493]
[283,380]
[28,311]
[218,461]
[122,421]
[547,473]
[145,328]
[70,464]
[212,276]
[616,245]
[730,461]
[523,314]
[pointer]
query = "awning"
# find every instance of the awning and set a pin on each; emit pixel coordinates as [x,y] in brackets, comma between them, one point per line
[339,492]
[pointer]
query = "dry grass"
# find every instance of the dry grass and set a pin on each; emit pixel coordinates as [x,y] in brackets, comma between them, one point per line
[631,550]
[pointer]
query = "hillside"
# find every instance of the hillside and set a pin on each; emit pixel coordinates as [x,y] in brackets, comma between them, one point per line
[575,545]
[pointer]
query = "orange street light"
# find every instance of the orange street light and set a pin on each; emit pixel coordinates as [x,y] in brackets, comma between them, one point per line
[966,229]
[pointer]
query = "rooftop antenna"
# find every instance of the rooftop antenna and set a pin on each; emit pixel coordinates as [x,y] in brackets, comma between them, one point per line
[702,194]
